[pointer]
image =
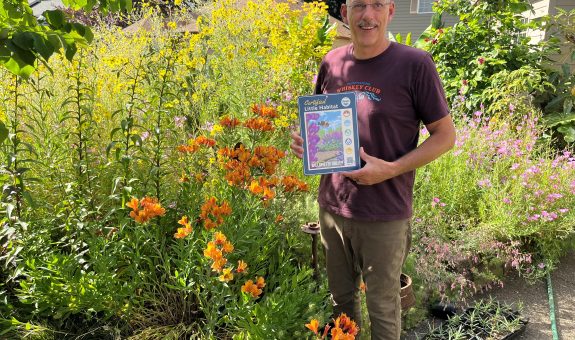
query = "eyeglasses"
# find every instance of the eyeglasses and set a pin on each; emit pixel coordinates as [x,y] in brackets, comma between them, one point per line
[360,6]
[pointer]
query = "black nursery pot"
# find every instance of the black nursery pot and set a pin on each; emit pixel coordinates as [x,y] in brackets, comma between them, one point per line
[443,311]
[490,320]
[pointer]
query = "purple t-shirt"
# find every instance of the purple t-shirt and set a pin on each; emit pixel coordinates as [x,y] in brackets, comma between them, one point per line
[396,91]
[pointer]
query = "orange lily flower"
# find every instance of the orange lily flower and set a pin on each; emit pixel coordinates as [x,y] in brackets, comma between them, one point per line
[313,325]
[227,275]
[228,247]
[260,283]
[219,238]
[242,267]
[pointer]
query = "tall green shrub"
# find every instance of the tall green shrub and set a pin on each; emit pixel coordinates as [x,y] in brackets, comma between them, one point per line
[489,37]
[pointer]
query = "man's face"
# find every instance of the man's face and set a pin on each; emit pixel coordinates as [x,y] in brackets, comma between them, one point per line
[368,22]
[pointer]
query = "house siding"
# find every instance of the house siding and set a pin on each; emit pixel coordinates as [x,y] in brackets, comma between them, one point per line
[565,4]
[565,55]
[540,8]
[405,22]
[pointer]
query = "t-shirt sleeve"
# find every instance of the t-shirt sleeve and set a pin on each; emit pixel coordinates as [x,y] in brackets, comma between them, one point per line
[430,102]
[320,79]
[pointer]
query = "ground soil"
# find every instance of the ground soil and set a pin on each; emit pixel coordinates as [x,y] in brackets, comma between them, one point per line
[534,300]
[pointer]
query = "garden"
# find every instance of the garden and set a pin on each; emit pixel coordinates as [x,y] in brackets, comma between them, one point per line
[148,190]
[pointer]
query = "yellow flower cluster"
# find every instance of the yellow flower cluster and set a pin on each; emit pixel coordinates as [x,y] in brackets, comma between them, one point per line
[263,42]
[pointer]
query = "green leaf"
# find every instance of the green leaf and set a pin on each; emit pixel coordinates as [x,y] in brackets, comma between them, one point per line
[519,7]
[136,139]
[83,31]
[568,133]
[76,4]
[436,20]
[420,42]
[5,54]
[18,67]
[567,106]
[29,199]
[3,132]
[114,5]
[9,329]
[109,147]
[71,51]
[23,56]
[408,39]
[55,40]
[43,46]
[555,119]
[55,19]
[24,40]
[127,6]
[555,102]
[90,4]
[566,68]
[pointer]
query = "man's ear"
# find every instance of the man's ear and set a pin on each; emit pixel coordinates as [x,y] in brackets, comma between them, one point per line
[391,10]
[343,13]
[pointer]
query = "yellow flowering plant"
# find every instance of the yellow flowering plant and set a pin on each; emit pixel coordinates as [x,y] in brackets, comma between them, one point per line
[160,176]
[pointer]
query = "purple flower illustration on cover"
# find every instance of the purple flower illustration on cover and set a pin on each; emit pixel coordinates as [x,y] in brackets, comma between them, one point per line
[325,139]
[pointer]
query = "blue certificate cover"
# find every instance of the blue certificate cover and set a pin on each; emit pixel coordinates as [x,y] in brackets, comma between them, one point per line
[328,125]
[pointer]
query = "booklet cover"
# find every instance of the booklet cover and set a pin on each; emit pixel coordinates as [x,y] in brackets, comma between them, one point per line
[328,125]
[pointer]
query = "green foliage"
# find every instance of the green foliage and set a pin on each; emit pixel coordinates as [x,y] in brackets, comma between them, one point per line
[488,38]
[295,297]
[24,41]
[558,103]
[400,39]
[512,90]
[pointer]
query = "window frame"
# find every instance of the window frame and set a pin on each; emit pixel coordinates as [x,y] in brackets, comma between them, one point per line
[415,6]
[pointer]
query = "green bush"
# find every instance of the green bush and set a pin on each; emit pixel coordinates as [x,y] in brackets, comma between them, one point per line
[488,38]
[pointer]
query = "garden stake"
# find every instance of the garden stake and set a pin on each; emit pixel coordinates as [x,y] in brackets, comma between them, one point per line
[312,228]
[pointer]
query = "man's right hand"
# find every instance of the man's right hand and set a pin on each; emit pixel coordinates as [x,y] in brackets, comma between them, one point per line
[297,144]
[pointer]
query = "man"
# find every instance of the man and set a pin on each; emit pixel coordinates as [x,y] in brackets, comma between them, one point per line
[365,214]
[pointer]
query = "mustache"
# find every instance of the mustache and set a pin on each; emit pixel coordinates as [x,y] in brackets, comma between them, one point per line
[367,23]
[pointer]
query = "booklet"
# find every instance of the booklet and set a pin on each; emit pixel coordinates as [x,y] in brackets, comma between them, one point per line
[328,125]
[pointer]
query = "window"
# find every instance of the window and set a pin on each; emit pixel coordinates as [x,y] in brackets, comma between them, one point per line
[422,6]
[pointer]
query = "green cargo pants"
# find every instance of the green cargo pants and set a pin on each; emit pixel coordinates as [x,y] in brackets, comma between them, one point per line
[372,250]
